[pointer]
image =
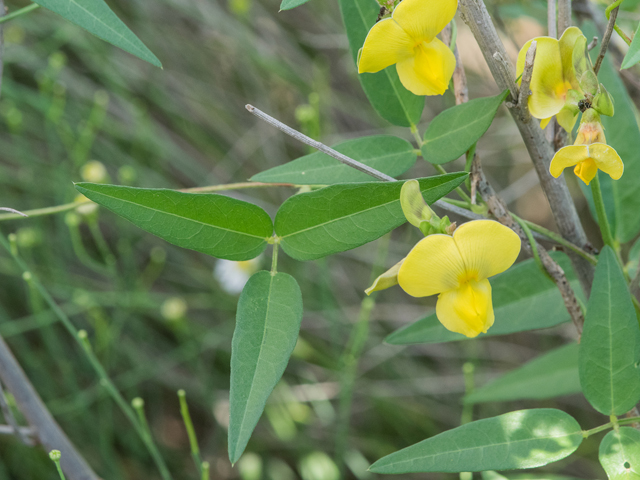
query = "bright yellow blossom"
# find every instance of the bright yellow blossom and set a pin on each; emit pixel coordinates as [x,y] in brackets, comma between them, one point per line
[408,40]
[589,153]
[457,268]
[553,77]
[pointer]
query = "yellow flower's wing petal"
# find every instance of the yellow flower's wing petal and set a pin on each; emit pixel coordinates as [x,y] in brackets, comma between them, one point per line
[586,170]
[567,157]
[548,88]
[424,19]
[567,43]
[607,159]
[387,43]
[430,70]
[487,247]
[433,266]
[467,310]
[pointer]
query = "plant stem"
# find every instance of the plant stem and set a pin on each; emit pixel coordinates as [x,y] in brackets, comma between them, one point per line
[105,381]
[603,221]
[191,433]
[606,426]
[17,13]
[351,358]
[274,258]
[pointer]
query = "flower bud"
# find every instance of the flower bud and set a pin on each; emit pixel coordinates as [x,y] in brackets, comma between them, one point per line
[590,130]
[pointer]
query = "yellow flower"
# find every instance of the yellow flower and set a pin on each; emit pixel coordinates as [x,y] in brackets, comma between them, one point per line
[457,268]
[589,153]
[408,39]
[553,76]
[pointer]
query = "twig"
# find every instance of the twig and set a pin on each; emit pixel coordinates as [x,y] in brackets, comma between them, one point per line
[552,22]
[48,431]
[592,44]
[2,14]
[26,432]
[527,73]
[564,16]
[500,211]
[605,39]
[350,161]
[12,210]
[475,15]
[9,418]
[319,146]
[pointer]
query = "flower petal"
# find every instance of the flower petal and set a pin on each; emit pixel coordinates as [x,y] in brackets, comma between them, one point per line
[544,122]
[567,43]
[548,88]
[467,310]
[607,160]
[487,247]
[387,43]
[387,280]
[586,170]
[424,19]
[430,70]
[433,266]
[567,157]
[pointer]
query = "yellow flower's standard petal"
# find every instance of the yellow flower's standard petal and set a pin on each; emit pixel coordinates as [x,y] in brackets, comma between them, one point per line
[467,310]
[567,43]
[387,43]
[424,19]
[567,157]
[487,248]
[607,160]
[433,266]
[586,170]
[548,87]
[430,70]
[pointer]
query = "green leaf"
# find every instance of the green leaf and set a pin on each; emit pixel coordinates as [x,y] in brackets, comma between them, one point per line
[633,54]
[390,155]
[384,90]
[610,344]
[341,217]
[620,454]
[550,375]
[219,226]
[522,439]
[633,259]
[523,299]
[623,134]
[267,327]
[289,4]
[96,17]
[455,130]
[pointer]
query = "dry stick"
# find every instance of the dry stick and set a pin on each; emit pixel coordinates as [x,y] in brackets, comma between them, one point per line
[48,431]
[605,39]
[350,161]
[475,15]
[10,419]
[527,73]
[27,432]
[499,209]
[564,16]
[551,19]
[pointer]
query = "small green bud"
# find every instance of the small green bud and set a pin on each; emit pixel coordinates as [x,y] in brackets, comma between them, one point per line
[415,209]
[137,403]
[55,455]
[603,102]
[27,277]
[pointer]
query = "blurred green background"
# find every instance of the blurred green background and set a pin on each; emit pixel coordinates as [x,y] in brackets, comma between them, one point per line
[157,316]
